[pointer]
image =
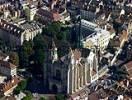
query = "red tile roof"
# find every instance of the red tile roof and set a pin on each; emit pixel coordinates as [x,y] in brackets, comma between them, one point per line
[53,16]
[8,85]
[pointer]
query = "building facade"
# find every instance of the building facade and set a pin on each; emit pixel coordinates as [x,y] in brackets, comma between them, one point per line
[130,27]
[15,34]
[30,12]
[7,69]
[71,72]
[98,37]
[46,16]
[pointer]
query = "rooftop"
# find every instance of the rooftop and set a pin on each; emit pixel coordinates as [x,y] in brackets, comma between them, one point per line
[129,68]
[49,14]
[7,64]
[4,87]
[14,29]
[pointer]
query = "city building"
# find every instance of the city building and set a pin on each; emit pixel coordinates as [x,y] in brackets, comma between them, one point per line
[4,4]
[96,37]
[45,16]
[130,27]
[72,72]
[7,69]
[30,12]
[8,75]
[16,34]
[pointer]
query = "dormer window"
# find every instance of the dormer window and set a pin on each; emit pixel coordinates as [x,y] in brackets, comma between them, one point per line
[11,28]
[14,30]
[8,27]
[18,31]
[4,25]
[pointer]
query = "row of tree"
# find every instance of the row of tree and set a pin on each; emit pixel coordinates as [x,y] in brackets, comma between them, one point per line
[32,51]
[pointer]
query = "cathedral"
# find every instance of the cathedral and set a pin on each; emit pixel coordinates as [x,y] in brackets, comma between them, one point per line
[71,72]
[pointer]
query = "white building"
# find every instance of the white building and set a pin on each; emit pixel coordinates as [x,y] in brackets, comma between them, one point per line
[99,37]
[16,34]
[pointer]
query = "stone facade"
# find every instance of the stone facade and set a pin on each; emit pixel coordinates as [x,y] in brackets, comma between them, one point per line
[98,36]
[15,35]
[7,69]
[71,72]
[130,27]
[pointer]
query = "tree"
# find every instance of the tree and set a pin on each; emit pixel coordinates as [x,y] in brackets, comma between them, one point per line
[60,97]
[25,52]
[118,73]
[39,56]
[39,42]
[39,46]
[28,96]
[54,29]
[21,86]
[42,98]
[62,35]
[14,58]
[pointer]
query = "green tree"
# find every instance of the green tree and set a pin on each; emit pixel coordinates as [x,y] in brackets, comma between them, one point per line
[54,28]
[14,58]
[61,35]
[39,46]
[39,42]
[21,86]
[25,52]
[60,97]
[42,98]
[39,56]
[17,90]
[29,96]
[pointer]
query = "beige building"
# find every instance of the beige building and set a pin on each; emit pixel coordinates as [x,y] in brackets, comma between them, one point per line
[130,27]
[16,34]
[99,37]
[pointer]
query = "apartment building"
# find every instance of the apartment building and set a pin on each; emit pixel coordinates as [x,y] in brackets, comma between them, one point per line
[97,38]
[16,34]
[45,16]
[7,69]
